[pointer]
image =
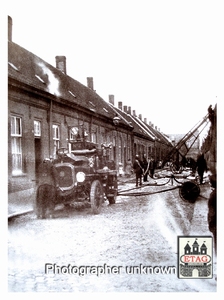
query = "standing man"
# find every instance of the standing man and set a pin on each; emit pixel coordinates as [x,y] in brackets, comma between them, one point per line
[152,166]
[46,192]
[212,211]
[138,169]
[201,167]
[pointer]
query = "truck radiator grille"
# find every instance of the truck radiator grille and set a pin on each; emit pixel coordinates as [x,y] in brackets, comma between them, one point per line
[65,176]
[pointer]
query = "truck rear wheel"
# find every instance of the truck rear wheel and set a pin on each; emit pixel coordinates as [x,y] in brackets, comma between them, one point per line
[96,196]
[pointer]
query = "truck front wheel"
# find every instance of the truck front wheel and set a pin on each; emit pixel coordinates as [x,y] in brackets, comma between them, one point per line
[96,196]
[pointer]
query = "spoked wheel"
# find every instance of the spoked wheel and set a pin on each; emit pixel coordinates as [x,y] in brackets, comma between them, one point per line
[96,196]
[189,191]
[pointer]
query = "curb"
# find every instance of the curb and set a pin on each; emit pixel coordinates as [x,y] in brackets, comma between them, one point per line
[11,216]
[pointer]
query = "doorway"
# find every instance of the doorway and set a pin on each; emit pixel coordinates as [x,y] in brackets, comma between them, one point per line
[38,157]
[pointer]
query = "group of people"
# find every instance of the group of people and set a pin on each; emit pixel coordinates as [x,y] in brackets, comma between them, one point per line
[143,169]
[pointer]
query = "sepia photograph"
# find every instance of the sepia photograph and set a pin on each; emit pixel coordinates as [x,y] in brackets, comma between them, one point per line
[111,141]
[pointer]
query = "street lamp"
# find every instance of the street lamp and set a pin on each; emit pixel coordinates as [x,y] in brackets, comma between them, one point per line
[116,122]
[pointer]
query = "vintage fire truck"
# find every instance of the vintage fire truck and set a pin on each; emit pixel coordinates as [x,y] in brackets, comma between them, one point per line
[86,174]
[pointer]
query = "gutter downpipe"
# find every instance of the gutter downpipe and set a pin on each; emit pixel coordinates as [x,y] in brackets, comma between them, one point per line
[50,128]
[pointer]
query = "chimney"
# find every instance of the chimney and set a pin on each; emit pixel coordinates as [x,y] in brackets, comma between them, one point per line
[140,116]
[129,110]
[61,63]
[155,127]
[90,83]
[120,105]
[111,99]
[145,120]
[9,29]
[134,113]
[125,108]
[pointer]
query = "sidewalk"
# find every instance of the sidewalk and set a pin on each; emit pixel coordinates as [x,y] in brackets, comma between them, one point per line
[21,202]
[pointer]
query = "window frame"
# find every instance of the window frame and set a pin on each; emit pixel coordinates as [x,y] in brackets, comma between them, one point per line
[37,134]
[56,135]
[16,145]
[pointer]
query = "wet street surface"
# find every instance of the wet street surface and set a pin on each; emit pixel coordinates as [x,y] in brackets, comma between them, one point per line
[113,251]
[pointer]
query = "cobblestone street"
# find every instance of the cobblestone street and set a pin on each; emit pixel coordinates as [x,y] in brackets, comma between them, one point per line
[135,232]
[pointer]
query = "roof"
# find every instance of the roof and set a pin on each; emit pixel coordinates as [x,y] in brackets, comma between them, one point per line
[158,135]
[27,68]
[137,128]
[195,243]
[187,246]
[141,128]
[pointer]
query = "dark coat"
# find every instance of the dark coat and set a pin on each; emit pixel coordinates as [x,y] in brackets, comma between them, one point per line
[138,167]
[152,165]
[47,174]
[201,164]
[212,208]
[145,163]
[212,211]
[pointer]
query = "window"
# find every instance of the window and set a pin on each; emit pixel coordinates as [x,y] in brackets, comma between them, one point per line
[93,137]
[74,133]
[37,128]
[16,145]
[56,137]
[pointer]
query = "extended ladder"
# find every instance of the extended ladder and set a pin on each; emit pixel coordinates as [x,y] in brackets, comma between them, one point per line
[182,147]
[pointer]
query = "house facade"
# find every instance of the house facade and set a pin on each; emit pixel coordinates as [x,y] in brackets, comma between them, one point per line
[44,104]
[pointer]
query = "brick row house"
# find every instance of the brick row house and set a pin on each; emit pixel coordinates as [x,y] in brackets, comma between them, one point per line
[44,103]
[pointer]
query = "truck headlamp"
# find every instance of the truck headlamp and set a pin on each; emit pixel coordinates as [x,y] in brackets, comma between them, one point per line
[80,176]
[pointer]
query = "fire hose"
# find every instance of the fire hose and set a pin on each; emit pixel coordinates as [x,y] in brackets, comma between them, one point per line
[188,190]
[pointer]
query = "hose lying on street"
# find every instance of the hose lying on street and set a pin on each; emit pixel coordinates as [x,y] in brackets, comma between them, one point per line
[122,193]
[127,193]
